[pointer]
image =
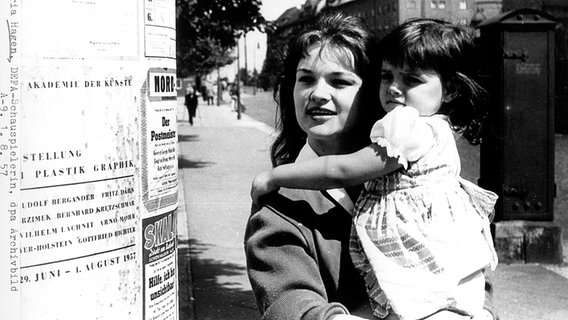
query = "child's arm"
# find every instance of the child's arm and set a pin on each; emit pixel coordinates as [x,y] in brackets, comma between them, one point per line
[327,172]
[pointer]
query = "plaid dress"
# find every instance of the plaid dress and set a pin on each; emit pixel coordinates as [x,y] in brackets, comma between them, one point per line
[419,231]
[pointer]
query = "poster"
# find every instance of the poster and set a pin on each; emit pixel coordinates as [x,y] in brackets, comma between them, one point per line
[160,267]
[88,159]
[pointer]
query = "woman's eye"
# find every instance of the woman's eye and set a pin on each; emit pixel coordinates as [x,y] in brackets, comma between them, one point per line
[341,82]
[386,77]
[305,79]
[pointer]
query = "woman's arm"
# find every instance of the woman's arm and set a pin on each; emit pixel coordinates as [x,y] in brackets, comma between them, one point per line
[327,172]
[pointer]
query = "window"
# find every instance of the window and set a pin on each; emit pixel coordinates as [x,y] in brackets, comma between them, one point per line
[463,5]
[437,4]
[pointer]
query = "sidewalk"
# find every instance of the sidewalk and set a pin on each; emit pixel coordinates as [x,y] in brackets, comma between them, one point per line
[218,157]
[522,291]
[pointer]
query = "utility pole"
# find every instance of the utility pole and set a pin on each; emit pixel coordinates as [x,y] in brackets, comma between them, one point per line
[255,73]
[238,79]
[246,60]
[219,92]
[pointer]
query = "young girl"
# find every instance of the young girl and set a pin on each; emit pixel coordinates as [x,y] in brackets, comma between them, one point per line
[420,235]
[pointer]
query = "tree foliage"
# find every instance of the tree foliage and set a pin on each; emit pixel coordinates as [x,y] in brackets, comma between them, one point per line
[272,63]
[208,30]
[278,39]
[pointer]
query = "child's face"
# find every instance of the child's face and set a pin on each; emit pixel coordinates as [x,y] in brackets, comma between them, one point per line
[417,88]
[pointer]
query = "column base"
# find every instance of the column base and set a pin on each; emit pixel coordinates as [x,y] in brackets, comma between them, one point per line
[522,241]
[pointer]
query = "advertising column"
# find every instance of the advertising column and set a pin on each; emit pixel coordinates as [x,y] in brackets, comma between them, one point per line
[88,160]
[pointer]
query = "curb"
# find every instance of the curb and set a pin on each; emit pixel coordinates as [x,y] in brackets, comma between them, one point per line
[186,306]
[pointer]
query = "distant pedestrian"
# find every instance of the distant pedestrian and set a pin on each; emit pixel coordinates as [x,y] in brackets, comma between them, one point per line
[235,96]
[209,95]
[203,92]
[191,103]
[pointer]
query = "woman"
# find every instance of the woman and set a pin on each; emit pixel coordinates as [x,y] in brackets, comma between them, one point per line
[297,244]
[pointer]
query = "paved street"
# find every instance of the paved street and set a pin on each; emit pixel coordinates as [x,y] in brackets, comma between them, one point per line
[219,156]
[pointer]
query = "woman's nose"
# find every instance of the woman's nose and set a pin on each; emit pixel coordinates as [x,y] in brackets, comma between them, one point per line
[321,92]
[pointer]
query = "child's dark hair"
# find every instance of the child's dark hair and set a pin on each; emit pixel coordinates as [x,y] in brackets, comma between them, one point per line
[449,50]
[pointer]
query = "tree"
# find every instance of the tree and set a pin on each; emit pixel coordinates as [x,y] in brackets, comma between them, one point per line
[278,38]
[245,76]
[208,30]
[290,23]
[272,63]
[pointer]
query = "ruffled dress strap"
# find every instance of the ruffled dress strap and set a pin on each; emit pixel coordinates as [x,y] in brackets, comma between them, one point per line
[483,201]
[405,135]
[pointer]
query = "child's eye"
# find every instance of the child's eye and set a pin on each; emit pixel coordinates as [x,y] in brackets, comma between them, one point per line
[413,80]
[386,75]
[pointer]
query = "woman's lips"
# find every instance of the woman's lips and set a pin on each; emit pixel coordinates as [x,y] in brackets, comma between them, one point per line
[315,112]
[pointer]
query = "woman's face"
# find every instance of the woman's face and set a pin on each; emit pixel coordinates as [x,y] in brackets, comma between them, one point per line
[326,94]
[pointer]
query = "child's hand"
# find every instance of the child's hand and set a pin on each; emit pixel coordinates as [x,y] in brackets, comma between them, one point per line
[261,185]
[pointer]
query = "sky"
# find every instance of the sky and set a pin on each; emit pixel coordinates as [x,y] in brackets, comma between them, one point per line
[272,9]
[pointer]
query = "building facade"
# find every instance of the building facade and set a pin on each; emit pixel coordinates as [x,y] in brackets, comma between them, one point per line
[383,15]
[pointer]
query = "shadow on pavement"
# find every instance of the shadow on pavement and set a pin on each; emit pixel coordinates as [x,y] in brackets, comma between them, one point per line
[184,163]
[185,299]
[189,164]
[188,138]
[216,296]
[212,266]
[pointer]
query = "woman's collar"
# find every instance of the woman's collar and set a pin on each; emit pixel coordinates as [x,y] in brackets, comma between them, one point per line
[338,194]
[306,153]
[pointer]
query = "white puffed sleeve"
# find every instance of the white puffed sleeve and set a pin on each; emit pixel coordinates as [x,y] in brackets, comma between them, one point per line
[404,134]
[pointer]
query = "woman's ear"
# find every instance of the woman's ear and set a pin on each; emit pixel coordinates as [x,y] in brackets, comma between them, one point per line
[451,92]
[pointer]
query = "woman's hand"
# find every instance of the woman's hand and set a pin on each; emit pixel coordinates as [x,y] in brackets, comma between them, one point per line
[261,185]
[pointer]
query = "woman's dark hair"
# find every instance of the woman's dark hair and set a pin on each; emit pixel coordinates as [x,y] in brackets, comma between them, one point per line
[449,50]
[332,30]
